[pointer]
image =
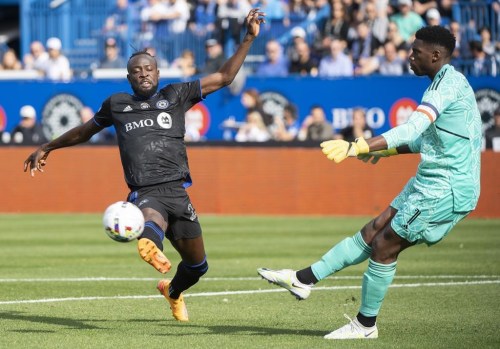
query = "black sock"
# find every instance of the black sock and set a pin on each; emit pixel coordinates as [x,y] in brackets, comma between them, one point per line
[306,276]
[367,321]
[185,277]
[153,232]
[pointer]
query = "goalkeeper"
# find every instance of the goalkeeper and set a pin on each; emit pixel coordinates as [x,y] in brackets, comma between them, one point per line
[446,130]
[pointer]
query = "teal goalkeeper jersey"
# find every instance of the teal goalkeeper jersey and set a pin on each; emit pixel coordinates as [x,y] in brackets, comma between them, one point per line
[446,130]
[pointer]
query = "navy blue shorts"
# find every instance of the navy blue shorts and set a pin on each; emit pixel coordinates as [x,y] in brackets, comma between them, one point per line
[172,201]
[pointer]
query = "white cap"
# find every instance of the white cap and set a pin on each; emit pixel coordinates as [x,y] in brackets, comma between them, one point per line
[27,111]
[298,32]
[433,14]
[54,43]
[405,2]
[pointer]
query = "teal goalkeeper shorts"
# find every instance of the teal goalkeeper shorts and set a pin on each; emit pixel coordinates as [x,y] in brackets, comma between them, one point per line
[421,218]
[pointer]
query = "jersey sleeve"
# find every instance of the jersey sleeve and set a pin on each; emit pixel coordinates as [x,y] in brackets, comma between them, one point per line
[408,133]
[103,116]
[189,93]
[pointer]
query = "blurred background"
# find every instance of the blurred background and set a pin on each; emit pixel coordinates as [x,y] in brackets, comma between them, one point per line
[320,69]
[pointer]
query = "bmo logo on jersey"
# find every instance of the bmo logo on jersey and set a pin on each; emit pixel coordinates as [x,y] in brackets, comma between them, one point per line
[138,124]
[164,120]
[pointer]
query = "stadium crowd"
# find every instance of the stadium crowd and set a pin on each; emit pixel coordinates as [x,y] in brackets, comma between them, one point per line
[321,38]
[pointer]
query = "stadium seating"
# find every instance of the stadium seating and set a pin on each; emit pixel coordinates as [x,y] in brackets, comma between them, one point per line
[79,23]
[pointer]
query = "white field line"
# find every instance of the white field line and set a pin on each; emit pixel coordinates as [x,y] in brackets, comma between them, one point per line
[104,279]
[231,293]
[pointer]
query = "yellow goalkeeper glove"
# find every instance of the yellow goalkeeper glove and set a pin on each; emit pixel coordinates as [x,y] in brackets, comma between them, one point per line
[338,150]
[375,156]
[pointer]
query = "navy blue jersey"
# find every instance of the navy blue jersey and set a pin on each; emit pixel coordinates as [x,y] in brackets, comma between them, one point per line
[151,132]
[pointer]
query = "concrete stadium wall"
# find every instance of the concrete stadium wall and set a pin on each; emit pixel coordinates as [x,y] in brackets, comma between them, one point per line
[227,180]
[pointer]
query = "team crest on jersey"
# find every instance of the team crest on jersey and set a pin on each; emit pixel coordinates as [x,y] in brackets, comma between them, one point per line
[144,105]
[162,104]
[164,120]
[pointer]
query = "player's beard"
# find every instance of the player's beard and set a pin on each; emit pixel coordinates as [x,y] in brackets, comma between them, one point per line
[145,93]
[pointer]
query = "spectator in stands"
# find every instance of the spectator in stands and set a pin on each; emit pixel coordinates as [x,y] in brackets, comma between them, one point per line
[462,50]
[298,35]
[492,135]
[483,63]
[116,24]
[229,22]
[112,58]
[391,63]
[35,58]
[103,137]
[214,58]
[432,17]
[154,26]
[57,67]
[28,131]
[251,101]
[185,64]
[10,61]
[336,27]
[402,46]
[377,21]
[422,7]
[160,61]
[177,16]
[253,130]
[359,128]
[388,63]
[337,64]
[489,47]
[407,20]
[276,64]
[287,127]
[305,64]
[297,10]
[203,17]
[315,127]
[363,45]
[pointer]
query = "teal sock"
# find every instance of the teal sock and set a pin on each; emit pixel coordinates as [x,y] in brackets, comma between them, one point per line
[376,281]
[350,251]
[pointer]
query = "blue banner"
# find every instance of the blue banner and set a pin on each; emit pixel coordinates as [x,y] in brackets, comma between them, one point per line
[388,101]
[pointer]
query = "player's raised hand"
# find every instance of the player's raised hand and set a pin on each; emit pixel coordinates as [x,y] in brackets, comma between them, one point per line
[36,161]
[254,19]
[338,150]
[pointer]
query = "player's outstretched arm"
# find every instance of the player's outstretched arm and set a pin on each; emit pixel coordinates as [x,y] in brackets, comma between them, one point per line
[338,150]
[228,71]
[77,135]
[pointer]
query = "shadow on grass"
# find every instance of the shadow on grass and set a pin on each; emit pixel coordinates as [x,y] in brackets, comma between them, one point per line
[183,330]
[49,320]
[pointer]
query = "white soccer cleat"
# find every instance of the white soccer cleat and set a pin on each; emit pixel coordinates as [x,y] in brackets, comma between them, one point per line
[286,278]
[353,330]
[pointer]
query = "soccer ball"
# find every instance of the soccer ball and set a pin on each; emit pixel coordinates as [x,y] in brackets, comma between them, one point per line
[123,221]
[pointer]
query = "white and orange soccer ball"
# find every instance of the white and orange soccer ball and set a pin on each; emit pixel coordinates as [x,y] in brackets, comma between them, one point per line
[123,221]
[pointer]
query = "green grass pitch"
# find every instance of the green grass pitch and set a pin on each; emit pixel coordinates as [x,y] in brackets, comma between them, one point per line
[65,284]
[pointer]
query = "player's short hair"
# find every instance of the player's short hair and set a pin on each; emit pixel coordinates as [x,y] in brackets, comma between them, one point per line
[138,53]
[437,35]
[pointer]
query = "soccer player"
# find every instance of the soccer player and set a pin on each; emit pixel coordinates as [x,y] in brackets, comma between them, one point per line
[150,130]
[446,130]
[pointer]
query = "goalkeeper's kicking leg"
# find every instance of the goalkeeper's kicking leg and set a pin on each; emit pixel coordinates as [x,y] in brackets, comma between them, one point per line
[376,240]
[350,251]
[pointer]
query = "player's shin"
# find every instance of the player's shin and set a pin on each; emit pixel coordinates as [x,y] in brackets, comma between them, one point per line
[350,251]
[376,281]
[153,232]
[186,276]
